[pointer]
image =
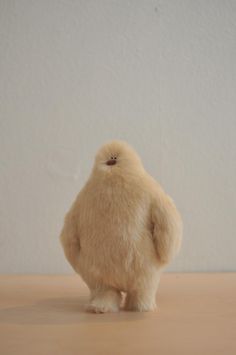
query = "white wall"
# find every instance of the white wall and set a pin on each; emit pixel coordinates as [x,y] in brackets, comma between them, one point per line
[74,74]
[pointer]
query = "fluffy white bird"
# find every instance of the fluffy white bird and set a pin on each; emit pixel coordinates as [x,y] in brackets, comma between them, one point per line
[121,231]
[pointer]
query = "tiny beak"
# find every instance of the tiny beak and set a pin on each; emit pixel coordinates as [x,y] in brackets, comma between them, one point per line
[111,162]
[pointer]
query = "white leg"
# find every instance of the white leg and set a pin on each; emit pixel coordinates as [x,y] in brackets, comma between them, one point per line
[143,298]
[104,300]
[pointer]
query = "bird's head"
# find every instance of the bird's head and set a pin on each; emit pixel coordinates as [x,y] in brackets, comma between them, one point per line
[117,158]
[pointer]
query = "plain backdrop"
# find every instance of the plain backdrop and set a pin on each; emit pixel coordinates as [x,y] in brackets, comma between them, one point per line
[74,74]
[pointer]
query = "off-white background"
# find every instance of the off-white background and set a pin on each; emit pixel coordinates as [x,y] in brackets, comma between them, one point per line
[74,74]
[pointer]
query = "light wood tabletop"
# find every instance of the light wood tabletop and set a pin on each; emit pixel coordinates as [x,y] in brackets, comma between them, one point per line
[45,315]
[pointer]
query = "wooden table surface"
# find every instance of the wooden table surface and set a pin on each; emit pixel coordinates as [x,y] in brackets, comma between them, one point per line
[45,315]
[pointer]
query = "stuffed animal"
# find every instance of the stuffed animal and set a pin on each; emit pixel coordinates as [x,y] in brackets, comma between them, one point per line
[121,231]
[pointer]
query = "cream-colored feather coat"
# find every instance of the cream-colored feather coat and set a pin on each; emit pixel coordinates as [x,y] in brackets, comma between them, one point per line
[120,231]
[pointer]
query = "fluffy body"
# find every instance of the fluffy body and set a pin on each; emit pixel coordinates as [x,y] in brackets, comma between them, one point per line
[121,231]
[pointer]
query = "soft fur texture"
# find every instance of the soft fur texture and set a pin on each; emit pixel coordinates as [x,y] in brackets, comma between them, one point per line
[121,231]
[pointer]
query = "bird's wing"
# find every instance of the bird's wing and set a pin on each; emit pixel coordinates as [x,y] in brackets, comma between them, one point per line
[70,239]
[167,226]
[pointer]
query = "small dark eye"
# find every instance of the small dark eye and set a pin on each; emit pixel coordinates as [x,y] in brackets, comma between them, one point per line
[115,158]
